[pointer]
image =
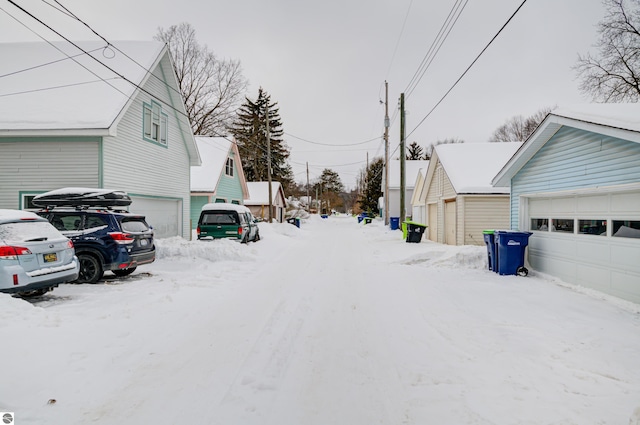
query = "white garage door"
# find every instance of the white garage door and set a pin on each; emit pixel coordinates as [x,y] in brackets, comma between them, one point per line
[164,215]
[591,240]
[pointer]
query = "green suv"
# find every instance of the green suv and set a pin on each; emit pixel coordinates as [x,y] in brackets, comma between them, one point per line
[221,220]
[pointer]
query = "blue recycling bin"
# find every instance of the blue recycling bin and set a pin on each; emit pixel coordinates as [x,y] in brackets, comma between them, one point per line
[360,218]
[510,249]
[394,223]
[489,240]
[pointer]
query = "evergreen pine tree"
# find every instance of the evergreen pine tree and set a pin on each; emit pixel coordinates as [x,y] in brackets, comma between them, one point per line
[372,187]
[250,132]
[415,152]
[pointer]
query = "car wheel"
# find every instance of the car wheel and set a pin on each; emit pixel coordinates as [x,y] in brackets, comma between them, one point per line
[257,237]
[124,272]
[35,293]
[90,269]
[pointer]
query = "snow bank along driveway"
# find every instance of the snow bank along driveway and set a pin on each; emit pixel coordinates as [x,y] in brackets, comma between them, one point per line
[333,323]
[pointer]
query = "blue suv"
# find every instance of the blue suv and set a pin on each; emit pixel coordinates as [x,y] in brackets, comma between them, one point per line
[104,239]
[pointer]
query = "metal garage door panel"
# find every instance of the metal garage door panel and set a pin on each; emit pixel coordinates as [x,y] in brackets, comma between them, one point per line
[165,216]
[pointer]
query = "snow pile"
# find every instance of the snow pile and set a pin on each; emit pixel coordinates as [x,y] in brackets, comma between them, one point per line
[177,248]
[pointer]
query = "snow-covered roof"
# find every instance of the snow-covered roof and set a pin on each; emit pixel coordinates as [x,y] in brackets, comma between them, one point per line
[471,166]
[412,167]
[55,86]
[214,152]
[259,193]
[617,115]
[620,120]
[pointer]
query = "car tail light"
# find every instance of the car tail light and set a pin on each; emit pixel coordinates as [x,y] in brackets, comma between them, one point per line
[69,244]
[121,238]
[198,230]
[12,252]
[15,280]
[240,230]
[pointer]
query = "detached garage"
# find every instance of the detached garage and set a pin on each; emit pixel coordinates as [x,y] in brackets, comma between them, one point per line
[575,184]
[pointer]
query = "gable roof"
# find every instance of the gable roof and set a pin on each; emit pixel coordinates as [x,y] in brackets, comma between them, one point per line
[55,86]
[419,184]
[259,193]
[214,152]
[410,172]
[471,166]
[620,120]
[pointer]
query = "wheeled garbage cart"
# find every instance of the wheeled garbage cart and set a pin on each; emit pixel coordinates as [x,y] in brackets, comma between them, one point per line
[510,249]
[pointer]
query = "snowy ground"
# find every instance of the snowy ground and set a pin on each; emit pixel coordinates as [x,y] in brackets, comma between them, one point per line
[333,323]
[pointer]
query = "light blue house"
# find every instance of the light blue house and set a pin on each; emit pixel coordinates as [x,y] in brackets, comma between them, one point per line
[91,115]
[575,184]
[220,178]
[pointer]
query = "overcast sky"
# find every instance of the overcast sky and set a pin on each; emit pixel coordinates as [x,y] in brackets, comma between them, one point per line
[325,62]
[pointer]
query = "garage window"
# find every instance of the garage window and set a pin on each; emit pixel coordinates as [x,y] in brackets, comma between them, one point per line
[626,229]
[541,224]
[562,225]
[592,227]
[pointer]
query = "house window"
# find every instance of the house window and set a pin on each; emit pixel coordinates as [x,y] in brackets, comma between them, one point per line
[27,202]
[626,229]
[562,225]
[592,227]
[155,123]
[234,202]
[220,200]
[228,170]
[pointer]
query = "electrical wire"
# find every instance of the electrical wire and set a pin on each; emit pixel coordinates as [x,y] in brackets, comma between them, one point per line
[395,50]
[329,144]
[468,68]
[95,59]
[441,37]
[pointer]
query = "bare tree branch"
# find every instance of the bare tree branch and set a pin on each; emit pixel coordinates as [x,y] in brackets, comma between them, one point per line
[614,75]
[211,88]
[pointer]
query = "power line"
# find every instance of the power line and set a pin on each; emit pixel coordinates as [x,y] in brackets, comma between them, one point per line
[437,43]
[95,59]
[468,68]
[332,145]
[395,50]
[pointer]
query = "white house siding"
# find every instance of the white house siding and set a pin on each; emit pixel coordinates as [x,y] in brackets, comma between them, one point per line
[581,175]
[145,169]
[483,212]
[29,165]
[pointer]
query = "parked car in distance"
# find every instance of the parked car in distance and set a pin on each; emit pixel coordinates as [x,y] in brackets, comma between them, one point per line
[34,256]
[222,220]
[105,238]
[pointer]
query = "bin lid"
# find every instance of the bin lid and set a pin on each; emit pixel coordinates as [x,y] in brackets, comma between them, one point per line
[488,232]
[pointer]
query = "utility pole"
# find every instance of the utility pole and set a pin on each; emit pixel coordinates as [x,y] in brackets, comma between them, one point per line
[269,165]
[386,153]
[402,159]
[308,199]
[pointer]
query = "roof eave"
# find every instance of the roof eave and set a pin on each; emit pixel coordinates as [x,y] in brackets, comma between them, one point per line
[76,132]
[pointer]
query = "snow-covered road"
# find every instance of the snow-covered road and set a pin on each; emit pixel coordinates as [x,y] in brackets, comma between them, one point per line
[335,323]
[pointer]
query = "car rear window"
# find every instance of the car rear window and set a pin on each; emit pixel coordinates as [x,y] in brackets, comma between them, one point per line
[26,231]
[219,217]
[134,225]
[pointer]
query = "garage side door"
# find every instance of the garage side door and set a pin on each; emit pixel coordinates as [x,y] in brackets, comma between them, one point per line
[450,223]
[164,215]
[433,222]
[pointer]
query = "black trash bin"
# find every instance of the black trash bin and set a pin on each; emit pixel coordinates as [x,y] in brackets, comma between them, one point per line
[510,249]
[489,240]
[415,231]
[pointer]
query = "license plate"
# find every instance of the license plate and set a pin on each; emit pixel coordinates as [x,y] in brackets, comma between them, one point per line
[49,258]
